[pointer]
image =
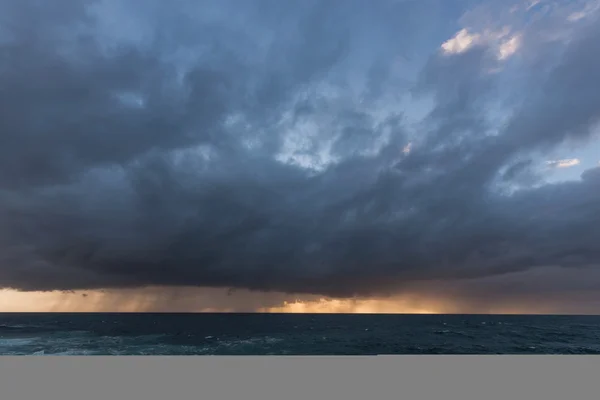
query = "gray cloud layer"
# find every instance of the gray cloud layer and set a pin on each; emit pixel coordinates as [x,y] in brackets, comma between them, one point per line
[142,146]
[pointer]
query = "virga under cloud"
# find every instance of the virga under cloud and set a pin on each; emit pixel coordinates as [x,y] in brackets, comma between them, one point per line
[272,146]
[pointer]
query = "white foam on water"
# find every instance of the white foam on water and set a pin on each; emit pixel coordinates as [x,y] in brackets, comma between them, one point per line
[80,343]
[15,342]
[18,326]
[251,341]
[72,352]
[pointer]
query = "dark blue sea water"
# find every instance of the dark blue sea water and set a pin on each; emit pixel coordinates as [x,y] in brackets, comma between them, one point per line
[299,334]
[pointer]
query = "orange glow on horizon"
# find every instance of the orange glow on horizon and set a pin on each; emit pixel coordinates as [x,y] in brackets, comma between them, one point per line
[352,306]
[142,301]
[207,300]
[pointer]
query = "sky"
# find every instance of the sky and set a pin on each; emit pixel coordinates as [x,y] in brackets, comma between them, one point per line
[432,156]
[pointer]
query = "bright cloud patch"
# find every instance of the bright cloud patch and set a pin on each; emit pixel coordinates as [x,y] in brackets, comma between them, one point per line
[465,40]
[461,42]
[566,163]
[509,47]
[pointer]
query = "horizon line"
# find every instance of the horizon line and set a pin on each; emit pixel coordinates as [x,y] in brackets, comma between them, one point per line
[299,313]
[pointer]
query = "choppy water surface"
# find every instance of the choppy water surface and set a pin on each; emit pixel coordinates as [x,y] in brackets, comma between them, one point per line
[277,334]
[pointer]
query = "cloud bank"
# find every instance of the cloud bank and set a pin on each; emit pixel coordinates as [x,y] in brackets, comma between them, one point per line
[326,148]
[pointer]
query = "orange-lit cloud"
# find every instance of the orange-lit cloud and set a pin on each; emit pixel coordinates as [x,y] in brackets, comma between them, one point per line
[356,306]
[536,291]
[206,300]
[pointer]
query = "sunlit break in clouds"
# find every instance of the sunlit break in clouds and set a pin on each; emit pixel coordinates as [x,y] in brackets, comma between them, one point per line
[571,162]
[300,156]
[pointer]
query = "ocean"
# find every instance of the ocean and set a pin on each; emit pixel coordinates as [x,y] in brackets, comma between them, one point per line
[295,334]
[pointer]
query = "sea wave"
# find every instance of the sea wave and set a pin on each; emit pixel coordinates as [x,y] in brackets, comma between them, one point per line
[15,342]
[209,335]
[8,327]
[141,345]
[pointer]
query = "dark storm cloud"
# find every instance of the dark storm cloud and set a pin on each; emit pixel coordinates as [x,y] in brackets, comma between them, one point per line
[129,160]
